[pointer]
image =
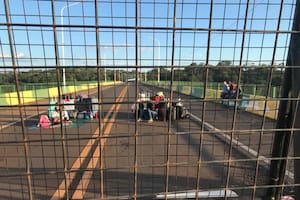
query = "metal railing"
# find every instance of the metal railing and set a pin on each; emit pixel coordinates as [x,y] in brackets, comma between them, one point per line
[183,49]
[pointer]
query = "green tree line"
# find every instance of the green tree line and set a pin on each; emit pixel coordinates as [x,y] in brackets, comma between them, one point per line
[194,72]
[259,75]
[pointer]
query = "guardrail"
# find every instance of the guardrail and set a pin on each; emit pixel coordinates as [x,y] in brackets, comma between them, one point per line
[253,103]
[198,87]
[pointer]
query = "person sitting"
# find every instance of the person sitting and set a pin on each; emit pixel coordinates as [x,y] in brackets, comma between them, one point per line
[142,97]
[51,107]
[69,106]
[151,113]
[139,106]
[144,109]
[157,98]
[65,115]
[56,116]
[140,111]
[233,90]
[44,122]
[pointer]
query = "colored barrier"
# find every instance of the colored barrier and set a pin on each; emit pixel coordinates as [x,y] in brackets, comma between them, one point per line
[10,99]
[251,103]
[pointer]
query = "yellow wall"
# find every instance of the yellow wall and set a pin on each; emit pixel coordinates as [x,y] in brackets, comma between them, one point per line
[31,95]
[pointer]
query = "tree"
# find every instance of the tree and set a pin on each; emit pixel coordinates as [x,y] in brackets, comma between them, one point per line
[224,63]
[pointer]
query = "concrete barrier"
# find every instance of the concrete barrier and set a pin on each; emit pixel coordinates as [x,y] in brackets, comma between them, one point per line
[11,98]
[261,106]
[251,103]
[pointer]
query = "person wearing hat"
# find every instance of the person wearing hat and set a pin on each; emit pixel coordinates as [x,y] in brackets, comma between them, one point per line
[157,98]
[160,94]
[139,107]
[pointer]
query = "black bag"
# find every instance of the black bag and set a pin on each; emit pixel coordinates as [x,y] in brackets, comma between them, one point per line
[179,111]
[146,114]
[174,113]
[162,108]
[84,105]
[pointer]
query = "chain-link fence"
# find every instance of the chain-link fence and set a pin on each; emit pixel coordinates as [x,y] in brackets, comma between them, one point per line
[149,99]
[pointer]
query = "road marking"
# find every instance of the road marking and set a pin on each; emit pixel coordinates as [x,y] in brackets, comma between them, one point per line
[3,126]
[61,191]
[245,148]
[86,177]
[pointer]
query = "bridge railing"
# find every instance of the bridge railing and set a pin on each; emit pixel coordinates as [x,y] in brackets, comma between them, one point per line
[214,89]
[254,97]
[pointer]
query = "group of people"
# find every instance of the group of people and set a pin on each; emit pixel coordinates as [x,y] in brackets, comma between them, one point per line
[148,108]
[230,90]
[157,107]
[53,116]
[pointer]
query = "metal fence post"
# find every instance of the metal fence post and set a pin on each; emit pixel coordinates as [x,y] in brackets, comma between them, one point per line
[288,118]
[294,60]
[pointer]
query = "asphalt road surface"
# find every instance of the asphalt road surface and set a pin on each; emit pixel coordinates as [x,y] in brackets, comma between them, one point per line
[115,157]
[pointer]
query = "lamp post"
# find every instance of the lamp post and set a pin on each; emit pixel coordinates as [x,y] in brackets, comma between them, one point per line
[158,62]
[105,77]
[158,58]
[63,39]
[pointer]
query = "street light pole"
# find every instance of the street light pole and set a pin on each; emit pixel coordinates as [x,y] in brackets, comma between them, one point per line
[158,58]
[105,77]
[158,62]
[63,40]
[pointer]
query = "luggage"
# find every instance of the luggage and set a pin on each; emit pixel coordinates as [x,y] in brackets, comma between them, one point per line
[179,111]
[84,105]
[84,115]
[174,113]
[185,113]
[69,104]
[80,115]
[146,115]
[88,104]
[162,111]
[95,105]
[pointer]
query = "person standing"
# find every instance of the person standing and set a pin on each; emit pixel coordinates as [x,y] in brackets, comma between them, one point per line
[225,91]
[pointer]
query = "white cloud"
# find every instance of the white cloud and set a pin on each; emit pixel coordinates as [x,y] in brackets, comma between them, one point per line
[8,55]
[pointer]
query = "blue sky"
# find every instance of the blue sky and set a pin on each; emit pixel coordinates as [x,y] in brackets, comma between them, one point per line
[34,45]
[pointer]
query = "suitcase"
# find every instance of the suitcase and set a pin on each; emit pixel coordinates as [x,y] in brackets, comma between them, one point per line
[146,115]
[162,111]
[179,112]
[174,113]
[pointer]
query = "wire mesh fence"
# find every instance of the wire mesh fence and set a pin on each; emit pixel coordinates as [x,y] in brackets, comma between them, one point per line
[149,99]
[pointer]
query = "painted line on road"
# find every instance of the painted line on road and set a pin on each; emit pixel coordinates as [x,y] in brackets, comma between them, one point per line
[13,123]
[246,149]
[86,177]
[61,191]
